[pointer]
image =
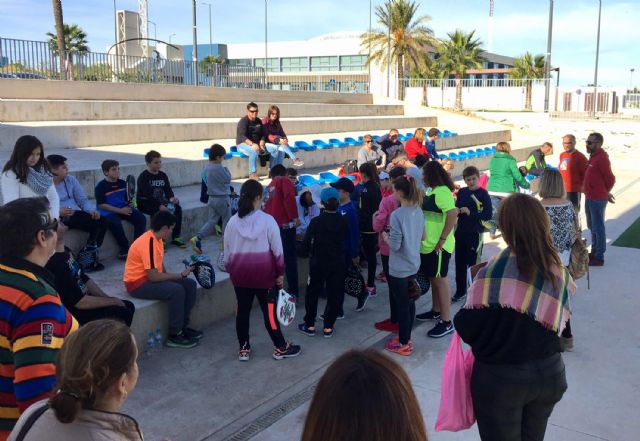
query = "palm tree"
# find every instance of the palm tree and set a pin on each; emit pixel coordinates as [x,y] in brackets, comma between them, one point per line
[75,42]
[403,41]
[528,68]
[57,15]
[459,53]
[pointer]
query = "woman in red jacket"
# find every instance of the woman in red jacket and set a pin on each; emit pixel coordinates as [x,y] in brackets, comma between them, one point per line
[415,146]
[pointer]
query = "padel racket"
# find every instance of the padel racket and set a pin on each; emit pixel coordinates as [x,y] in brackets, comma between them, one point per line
[131,190]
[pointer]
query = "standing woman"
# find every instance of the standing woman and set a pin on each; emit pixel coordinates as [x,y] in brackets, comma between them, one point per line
[276,135]
[254,260]
[404,237]
[516,307]
[370,198]
[562,215]
[27,174]
[440,217]
[504,178]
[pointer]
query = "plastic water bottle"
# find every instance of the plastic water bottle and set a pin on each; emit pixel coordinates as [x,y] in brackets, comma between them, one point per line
[151,343]
[158,339]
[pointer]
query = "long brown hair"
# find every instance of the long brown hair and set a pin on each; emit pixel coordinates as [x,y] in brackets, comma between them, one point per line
[434,175]
[90,361]
[526,229]
[409,188]
[17,163]
[371,171]
[273,109]
[364,395]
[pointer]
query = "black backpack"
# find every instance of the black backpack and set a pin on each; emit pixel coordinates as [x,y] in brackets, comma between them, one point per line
[350,166]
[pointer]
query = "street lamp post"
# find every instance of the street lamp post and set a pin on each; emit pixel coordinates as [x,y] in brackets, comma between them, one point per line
[595,75]
[547,64]
[631,79]
[155,29]
[210,35]
[171,36]
[265,38]
[369,53]
[115,23]
[194,52]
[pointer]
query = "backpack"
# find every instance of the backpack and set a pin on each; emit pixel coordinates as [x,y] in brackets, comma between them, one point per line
[348,167]
[579,259]
[354,283]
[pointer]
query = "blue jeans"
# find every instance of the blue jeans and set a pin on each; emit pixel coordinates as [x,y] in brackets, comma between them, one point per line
[276,157]
[286,149]
[114,223]
[495,203]
[595,223]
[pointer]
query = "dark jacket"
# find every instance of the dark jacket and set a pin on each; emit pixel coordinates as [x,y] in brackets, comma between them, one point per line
[251,130]
[273,130]
[153,191]
[325,239]
[536,163]
[370,198]
[479,211]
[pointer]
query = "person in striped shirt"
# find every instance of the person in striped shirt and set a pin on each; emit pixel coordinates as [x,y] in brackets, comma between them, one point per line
[33,321]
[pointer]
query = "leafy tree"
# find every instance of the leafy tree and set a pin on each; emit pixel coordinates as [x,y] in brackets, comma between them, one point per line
[57,16]
[402,42]
[528,67]
[457,54]
[75,42]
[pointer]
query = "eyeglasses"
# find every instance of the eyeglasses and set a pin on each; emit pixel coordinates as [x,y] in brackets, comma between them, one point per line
[253,111]
[52,225]
[368,142]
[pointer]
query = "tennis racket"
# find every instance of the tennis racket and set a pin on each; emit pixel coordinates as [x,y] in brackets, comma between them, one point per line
[131,190]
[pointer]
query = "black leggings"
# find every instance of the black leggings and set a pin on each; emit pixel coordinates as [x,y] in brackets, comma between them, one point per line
[393,315]
[405,307]
[332,281]
[81,220]
[245,302]
[370,246]
[122,313]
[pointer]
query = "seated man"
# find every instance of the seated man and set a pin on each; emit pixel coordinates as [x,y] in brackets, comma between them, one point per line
[370,153]
[251,139]
[535,162]
[79,294]
[154,193]
[76,212]
[111,199]
[430,143]
[390,144]
[145,277]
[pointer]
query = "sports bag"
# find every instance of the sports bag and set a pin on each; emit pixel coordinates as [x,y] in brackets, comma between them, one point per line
[285,308]
[354,283]
[349,166]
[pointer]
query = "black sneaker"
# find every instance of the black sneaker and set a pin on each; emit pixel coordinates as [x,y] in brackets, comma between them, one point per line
[192,333]
[306,330]
[458,296]
[288,351]
[441,329]
[362,300]
[429,315]
[180,341]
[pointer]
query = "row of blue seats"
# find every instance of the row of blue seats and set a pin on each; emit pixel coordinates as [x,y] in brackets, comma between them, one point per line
[474,153]
[318,144]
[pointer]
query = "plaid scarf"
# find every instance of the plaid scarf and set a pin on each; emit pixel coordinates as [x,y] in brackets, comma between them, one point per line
[40,181]
[501,284]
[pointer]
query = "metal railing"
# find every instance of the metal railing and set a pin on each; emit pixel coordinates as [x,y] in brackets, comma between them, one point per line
[631,101]
[469,82]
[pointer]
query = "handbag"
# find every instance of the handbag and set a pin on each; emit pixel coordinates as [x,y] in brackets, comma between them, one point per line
[456,405]
[354,282]
[579,259]
[285,308]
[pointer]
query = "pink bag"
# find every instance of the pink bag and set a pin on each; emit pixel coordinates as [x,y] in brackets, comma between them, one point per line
[456,407]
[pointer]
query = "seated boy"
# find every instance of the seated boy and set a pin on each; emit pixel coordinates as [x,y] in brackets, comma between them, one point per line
[145,277]
[79,294]
[154,193]
[111,199]
[76,212]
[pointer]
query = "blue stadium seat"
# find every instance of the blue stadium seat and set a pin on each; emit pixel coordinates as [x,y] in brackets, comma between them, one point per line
[454,156]
[337,143]
[351,141]
[303,145]
[320,144]
[328,177]
[308,180]
[443,156]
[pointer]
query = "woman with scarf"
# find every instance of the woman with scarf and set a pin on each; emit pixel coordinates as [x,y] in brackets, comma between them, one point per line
[27,174]
[517,307]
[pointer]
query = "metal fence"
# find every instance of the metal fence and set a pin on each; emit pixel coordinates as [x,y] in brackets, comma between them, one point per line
[631,101]
[471,82]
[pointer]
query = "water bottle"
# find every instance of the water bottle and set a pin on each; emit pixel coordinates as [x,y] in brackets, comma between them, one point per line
[151,343]
[158,339]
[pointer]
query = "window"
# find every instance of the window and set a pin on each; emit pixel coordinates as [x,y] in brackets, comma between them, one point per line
[353,62]
[273,64]
[240,62]
[324,63]
[295,64]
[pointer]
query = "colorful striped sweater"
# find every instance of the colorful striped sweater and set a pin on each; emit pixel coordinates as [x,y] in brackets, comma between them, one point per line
[33,326]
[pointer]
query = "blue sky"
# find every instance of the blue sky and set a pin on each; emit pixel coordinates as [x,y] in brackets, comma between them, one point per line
[519,25]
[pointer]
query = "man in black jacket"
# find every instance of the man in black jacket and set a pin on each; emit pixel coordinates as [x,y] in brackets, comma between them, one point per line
[251,140]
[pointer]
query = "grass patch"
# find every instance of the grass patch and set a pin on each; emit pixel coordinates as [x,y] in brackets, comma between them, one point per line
[631,237]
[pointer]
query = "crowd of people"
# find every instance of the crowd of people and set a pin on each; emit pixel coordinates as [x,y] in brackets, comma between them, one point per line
[404,205]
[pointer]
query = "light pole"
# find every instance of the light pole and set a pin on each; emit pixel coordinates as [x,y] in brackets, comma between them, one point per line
[210,35]
[155,30]
[194,52]
[595,75]
[369,54]
[631,79]
[171,36]
[547,64]
[265,38]
[115,23]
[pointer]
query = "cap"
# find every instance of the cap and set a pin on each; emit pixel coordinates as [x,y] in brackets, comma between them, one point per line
[344,184]
[384,175]
[328,193]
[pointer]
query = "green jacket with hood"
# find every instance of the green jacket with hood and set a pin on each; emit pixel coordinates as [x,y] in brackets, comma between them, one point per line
[504,174]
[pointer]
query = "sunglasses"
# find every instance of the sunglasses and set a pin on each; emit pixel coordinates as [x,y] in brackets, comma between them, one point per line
[368,142]
[52,225]
[253,111]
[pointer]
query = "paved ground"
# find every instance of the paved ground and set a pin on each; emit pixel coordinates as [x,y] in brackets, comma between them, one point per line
[206,394]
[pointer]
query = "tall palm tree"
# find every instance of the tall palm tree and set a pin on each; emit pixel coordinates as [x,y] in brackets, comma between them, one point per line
[403,40]
[457,54]
[75,42]
[57,15]
[528,67]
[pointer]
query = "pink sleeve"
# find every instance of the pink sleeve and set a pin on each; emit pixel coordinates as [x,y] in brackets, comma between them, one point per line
[381,219]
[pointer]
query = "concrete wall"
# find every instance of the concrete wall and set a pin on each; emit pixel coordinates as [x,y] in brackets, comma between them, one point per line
[87,90]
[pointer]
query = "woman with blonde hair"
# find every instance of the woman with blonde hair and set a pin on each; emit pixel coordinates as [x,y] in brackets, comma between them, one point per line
[416,145]
[516,309]
[364,396]
[276,136]
[96,371]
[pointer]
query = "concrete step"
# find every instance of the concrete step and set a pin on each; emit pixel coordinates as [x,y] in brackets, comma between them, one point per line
[73,134]
[15,110]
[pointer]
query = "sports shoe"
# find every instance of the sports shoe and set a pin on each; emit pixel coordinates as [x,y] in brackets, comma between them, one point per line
[298,162]
[566,344]
[181,341]
[441,329]
[327,332]
[179,242]
[396,339]
[192,333]
[372,291]
[244,353]
[381,277]
[458,296]
[386,325]
[306,330]
[362,300]
[196,244]
[595,262]
[400,349]
[429,315]
[338,317]
[288,351]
